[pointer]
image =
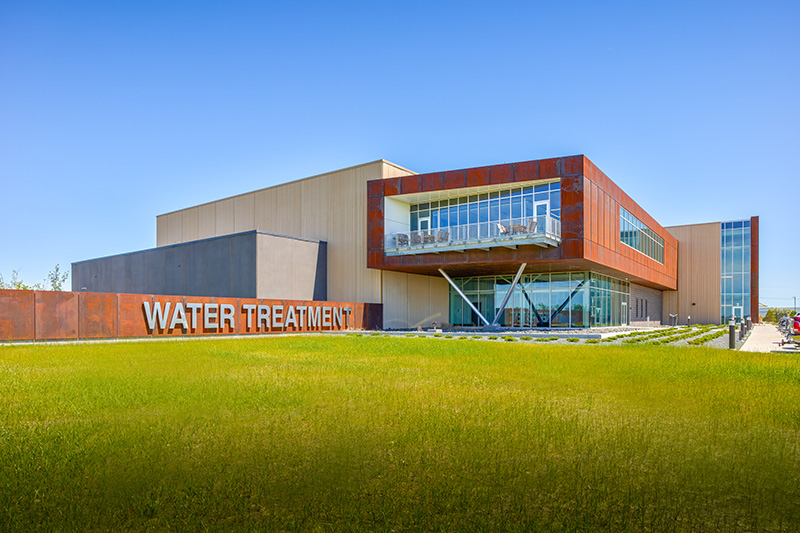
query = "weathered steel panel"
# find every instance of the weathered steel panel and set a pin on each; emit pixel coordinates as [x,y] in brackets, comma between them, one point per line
[17,316]
[131,315]
[97,315]
[56,315]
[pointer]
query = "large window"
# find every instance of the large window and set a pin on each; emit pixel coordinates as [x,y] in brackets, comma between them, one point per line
[735,267]
[639,236]
[496,206]
[562,299]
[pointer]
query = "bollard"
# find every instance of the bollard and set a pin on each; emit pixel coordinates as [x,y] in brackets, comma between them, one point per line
[741,332]
[732,336]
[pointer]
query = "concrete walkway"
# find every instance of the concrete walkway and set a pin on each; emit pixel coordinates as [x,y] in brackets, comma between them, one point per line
[766,338]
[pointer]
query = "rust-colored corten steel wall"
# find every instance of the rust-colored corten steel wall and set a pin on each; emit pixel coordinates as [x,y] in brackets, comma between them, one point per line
[754,314]
[45,315]
[590,204]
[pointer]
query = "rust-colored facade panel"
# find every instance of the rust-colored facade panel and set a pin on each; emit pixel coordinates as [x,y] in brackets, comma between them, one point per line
[56,315]
[477,177]
[391,186]
[548,168]
[754,296]
[17,317]
[527,170]
[410,184]
[97,315]
[131,315]
[375,188]
[434,181]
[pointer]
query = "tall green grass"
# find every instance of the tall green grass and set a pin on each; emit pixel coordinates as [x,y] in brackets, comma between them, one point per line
[368,433]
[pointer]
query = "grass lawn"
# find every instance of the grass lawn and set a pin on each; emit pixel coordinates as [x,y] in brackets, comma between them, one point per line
[371,433]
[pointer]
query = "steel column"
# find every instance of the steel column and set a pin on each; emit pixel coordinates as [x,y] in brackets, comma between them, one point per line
[452,284]
[508,294]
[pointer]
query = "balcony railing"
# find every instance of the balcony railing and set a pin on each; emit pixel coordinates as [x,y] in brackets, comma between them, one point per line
[542,231]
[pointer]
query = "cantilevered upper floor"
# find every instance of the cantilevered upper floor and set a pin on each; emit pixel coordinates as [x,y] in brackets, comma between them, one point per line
[559,214]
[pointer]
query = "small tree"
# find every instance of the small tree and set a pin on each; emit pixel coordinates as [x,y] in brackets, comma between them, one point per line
[55,280]
[17,284]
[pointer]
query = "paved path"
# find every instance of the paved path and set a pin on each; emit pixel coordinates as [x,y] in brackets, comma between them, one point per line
[766,338]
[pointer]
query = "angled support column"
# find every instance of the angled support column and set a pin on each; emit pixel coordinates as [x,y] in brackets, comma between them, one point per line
[508,294]
[452,284]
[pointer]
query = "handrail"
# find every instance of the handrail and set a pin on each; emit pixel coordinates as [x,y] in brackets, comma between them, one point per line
[503,230]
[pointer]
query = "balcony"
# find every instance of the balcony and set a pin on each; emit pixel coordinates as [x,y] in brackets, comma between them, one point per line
[542,231]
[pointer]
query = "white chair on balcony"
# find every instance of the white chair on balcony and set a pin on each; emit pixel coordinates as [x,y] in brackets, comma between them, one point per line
[532,225]
[443,236]
[502,229]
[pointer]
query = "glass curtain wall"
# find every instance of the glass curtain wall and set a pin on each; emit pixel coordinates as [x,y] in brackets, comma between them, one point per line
[565,299]
[735,266]
[512,203]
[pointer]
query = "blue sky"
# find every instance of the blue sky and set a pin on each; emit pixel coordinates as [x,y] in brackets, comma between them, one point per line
[112,113]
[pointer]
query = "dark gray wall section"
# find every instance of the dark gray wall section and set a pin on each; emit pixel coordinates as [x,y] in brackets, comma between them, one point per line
[321,279]
[225,266]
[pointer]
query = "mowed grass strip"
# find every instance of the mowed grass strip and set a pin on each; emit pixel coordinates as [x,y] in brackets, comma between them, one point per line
[373,433]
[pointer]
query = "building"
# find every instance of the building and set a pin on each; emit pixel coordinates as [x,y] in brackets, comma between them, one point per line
[546,243]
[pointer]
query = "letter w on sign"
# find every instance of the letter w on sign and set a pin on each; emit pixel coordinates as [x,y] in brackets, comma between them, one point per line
[156,315]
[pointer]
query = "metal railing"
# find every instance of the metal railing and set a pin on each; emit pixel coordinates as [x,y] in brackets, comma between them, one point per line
[544,228]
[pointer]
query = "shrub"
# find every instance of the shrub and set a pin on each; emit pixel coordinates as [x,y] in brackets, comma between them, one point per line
[525,338]
[573,339]
[592,341]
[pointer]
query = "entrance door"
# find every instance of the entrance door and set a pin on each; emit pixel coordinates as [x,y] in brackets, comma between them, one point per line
[737,313]
[425,224]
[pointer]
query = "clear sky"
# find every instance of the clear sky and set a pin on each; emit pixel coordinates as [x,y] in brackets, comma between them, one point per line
[114,112]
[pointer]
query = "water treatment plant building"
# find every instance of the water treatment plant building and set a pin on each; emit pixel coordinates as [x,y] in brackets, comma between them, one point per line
[545,243]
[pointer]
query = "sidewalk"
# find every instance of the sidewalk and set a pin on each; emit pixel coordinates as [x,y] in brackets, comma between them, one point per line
[766,338]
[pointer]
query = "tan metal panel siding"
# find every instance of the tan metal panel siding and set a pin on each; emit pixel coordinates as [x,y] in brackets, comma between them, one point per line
[207,221]
[190,223]
[412,300]
[315,222]
[244,213]
[175,228]
[289,209]
[225,217]
[265,212]
[699,271]
[395,307]
[162,223]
